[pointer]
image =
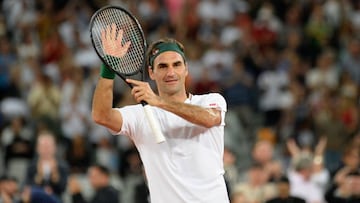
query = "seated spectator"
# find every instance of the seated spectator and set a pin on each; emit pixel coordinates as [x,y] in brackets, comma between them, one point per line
[256,188]
[99,177]
[284,196]
[17,140]
[47,171]
[344,185]
[37,195]
[346,191]
[238,197]
[263,154]
[8,190]
[78,155]
[10,193]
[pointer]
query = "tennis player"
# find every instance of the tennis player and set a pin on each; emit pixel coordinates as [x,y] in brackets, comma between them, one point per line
[188,166]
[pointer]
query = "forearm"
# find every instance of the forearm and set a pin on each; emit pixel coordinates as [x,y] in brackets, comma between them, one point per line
[192,113]
[102,111]
[102,100]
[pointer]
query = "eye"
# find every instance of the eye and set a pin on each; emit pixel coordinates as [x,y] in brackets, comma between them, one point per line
[162,66]
[177,64]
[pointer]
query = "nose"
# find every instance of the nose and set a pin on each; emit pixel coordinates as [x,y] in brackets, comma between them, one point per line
[170,71]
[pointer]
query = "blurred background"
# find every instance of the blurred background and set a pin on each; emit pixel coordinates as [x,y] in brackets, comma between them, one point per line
[289,70]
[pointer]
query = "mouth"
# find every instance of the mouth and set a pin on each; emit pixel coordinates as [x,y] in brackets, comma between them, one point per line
[171,81]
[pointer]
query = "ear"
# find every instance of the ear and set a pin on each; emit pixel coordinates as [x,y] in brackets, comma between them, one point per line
[151,73]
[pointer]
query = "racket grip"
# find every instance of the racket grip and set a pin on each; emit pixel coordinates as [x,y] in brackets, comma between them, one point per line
[155,126]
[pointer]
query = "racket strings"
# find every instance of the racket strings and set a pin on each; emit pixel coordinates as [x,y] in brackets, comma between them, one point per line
[132,61]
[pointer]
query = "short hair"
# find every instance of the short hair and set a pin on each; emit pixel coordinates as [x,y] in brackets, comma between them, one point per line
[153,46]
[8,178]
[283,179]
[302,161]
[103,169]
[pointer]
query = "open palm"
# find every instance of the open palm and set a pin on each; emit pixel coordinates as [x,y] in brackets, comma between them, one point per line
[112,41]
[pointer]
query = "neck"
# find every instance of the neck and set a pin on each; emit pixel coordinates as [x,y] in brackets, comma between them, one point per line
[178,97]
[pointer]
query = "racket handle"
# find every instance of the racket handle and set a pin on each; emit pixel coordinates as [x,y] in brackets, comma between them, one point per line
[155,126]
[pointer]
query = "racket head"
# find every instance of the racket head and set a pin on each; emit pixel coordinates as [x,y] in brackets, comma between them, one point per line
[133,61]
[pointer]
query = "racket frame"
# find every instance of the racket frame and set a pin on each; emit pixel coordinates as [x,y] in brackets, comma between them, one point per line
[159,137]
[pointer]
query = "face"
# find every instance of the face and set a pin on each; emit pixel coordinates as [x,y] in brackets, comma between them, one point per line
[283,189]
[96,178]
[46,147]
[169,73]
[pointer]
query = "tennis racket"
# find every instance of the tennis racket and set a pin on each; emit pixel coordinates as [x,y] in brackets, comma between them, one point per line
[120,43]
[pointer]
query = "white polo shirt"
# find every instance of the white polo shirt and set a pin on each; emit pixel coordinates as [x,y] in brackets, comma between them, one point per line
[188,166]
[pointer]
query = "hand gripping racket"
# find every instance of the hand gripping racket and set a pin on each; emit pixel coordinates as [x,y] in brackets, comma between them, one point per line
[125,52]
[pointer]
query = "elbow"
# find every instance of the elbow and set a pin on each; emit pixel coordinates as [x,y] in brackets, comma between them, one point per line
[212,122]
[98,118]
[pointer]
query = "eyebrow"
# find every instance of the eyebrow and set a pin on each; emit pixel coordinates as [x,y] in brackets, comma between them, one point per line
[166,64]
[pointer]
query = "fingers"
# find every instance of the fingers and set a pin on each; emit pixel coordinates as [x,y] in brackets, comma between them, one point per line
[141,91]
[134,82]
[113,32]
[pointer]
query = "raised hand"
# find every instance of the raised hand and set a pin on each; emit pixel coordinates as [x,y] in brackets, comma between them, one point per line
[111,39]
[142,91]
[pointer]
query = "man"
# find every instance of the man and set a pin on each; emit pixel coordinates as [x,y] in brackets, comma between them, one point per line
[99,177]
[284,196]
[8,189]
[188,166]
[306,179]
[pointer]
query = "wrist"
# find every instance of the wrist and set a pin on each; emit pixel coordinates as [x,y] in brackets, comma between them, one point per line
[105,72]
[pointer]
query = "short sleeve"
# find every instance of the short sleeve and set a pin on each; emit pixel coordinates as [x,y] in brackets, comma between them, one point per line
[216,101]
[131,116]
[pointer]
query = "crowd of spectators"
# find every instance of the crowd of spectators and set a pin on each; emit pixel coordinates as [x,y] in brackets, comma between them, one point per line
[288,69]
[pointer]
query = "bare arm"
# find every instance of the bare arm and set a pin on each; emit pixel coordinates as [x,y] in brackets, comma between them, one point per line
[102,111]
[206,117]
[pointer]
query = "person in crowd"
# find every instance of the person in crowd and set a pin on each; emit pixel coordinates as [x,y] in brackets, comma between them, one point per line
[47,170]
[99,178]
[283,196]
[256,187]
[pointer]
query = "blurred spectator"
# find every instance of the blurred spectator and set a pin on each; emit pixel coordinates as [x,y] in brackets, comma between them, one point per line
[347,190]
[141,190]
[239,88]
[273,85]
[75,107]
[99,178]
[44,100]
[106,153]
[325,75]
[231,171]
[350,163]
[218,60]
[238,197]
[283,188]
[17,140]
[263,154]
[306,181]
[7,59]
[47,171]
[345,182]
[256,187]
[267,26]
[317,29]
[9,190]
[78,155]
[350,60]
